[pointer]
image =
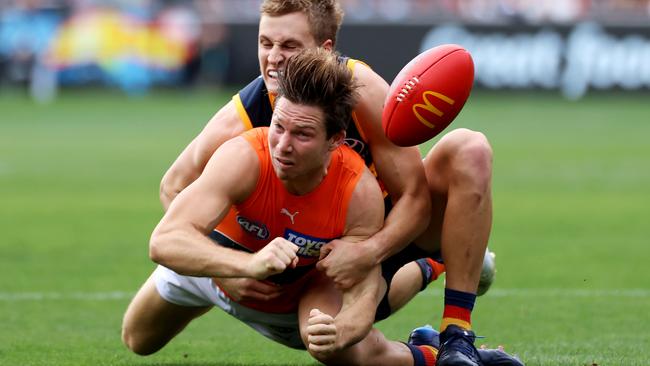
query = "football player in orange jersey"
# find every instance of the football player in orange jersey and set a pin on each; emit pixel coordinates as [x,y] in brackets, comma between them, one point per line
[298,163]
[441,204]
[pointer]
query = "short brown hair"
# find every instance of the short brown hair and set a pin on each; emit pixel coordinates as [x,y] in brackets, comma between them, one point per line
[324,16]
[315,77]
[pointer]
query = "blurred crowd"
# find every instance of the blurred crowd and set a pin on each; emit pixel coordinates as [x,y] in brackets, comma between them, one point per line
[608,12]
[138,43]
[131,44]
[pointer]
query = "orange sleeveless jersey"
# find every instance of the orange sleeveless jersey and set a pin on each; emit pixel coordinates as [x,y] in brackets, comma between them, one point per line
[309,221]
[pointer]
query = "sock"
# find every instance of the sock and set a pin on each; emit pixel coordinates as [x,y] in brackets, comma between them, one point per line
[423,355]
[431,270]
[458,309]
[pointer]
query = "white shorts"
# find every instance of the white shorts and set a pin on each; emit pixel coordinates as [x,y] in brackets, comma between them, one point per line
[202,291]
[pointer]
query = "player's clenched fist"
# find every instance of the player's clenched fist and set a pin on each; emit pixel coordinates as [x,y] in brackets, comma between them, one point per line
[274,258]
[321,333]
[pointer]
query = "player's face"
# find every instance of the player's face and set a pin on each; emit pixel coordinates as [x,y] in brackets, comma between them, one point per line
[281,37]
[300,149]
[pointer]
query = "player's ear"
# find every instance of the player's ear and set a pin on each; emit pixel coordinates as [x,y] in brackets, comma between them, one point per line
[328,45]
[336,140]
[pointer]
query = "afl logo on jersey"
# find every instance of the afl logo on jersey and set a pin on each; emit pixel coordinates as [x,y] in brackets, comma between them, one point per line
[356,145]
[309,245]
[254,228]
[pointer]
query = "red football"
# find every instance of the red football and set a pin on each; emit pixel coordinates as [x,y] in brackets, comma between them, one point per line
[427,94]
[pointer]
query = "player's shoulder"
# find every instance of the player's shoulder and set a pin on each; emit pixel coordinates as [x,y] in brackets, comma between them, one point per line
[364,74]
[224,124]
[369,184]
[252,89]
[371,87]
[353,168]
[371,94]
[240,178]
[367,191]
[257,137]
[254,104]
[241,147]
[233,119]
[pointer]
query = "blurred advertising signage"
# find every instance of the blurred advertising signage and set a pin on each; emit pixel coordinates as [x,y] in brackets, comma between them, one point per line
[585,57]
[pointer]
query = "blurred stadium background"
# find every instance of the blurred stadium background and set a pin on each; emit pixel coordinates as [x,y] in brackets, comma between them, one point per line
[98,97]
[569,45]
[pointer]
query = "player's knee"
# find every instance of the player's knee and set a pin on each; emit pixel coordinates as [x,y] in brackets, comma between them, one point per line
[471,159]
[135,343]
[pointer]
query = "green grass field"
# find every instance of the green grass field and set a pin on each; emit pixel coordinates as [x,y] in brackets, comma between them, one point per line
[78,200]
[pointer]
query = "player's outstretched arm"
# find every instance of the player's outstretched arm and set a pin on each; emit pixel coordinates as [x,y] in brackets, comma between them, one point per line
[180,240]
[224,125]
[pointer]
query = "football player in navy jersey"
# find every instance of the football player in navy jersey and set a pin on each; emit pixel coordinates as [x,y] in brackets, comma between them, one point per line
[439,207]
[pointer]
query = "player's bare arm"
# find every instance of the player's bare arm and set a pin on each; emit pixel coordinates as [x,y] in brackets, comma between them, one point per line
[399,168]
[224,125]
[180,241]
[402,173]
[326,332]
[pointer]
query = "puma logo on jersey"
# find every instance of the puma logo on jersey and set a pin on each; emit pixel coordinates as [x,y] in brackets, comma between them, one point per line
[291,216]
[309,245]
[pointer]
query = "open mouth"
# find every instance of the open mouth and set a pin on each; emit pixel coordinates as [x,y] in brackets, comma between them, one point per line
[273,74]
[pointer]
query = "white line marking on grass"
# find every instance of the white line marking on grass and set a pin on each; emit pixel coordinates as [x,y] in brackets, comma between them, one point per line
[497,292]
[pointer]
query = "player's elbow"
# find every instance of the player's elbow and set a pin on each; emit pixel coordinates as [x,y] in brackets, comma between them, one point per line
[155,254]
[165,196]
[175,180]
[168,191]
[156,248]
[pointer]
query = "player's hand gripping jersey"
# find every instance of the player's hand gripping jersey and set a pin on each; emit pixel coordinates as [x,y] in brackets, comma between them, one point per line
[309,221]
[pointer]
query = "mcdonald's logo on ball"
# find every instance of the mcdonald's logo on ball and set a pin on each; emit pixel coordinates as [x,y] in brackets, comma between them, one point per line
[427,94]
[428,106]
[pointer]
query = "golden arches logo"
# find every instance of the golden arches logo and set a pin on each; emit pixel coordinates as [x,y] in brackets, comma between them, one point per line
[430,107]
